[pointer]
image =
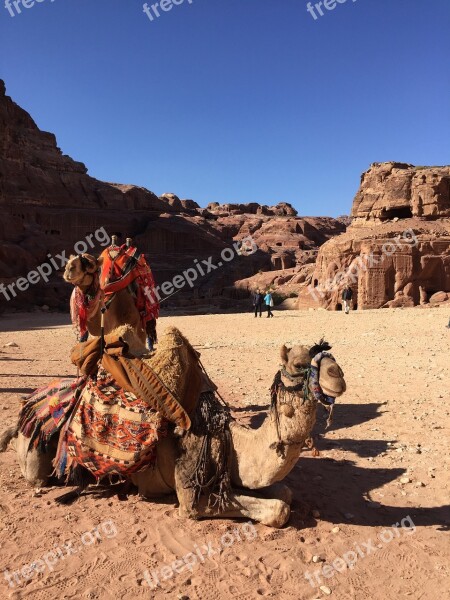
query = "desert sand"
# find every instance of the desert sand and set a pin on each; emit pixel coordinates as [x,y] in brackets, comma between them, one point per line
[384,461]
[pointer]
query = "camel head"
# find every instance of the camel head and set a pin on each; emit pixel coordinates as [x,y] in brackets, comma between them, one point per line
[295,359]
[295,362]
[297,411]
[79,267]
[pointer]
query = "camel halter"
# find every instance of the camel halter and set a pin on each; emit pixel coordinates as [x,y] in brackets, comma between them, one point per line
[280,392]
[300,382]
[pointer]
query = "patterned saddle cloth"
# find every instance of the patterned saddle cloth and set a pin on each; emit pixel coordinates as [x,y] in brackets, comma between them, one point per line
[112,431]
[111,419]
[101,426]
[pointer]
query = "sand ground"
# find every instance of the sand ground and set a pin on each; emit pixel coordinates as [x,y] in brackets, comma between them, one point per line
[384,461]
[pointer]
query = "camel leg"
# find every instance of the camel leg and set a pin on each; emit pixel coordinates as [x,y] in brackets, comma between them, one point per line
[36,466]
[280,491]
[268,511]
[7,436]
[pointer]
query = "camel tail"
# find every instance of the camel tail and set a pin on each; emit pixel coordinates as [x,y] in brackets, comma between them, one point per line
[7,436]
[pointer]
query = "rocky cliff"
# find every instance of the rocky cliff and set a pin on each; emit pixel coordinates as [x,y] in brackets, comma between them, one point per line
[397,190]
[396,252]
[49,203]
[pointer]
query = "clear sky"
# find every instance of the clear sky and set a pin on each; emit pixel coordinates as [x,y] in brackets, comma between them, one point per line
[236,100]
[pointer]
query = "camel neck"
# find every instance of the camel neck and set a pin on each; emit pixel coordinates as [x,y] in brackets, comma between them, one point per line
[89,288]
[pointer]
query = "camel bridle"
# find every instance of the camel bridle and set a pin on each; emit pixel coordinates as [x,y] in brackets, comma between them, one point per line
[285,394]
[282,394]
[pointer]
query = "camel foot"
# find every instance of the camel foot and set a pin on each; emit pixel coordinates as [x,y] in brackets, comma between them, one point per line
[268,511]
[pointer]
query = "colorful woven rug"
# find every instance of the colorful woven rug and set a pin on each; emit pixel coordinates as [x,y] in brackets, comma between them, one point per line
[47,410]
[111,432]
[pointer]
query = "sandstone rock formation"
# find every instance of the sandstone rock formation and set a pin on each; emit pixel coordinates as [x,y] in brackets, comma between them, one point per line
[282,209]
[396,251]
[49,203]
[398,190]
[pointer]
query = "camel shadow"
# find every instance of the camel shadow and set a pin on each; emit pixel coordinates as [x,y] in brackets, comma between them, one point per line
[349,415]
[34,321]
[341,492]
[363,448]
[345,415]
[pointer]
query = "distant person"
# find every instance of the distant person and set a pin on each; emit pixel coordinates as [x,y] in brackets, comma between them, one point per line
[268,301]
[347,296]
[258,300]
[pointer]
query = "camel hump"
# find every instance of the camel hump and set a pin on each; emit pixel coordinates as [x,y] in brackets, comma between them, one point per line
[331,378]
[173,338]
[171,330]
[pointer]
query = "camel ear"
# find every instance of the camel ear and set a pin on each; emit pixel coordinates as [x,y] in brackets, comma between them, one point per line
[284,351]
[91,263]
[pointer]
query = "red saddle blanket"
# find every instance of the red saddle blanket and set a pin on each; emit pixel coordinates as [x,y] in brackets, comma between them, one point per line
[123,267]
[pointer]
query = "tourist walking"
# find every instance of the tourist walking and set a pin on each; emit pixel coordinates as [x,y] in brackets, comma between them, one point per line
[347,295]
[268,301]
[258,299]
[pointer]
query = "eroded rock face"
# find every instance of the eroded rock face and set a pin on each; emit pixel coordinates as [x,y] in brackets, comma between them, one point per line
[282,209]
[49,203]
[398,191]
[396,253]
[383,265]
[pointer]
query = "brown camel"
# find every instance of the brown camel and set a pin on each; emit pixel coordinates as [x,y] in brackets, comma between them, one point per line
[259,459]
[82,272]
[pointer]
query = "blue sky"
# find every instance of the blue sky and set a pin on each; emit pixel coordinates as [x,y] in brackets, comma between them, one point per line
[236,100]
